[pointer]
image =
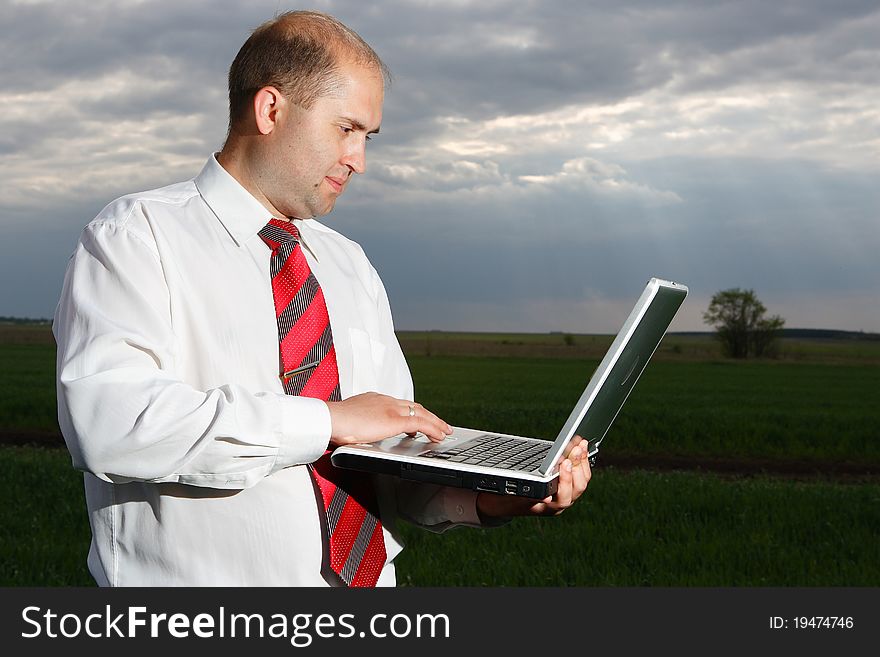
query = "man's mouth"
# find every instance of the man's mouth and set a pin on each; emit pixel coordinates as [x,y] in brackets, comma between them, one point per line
[336,183]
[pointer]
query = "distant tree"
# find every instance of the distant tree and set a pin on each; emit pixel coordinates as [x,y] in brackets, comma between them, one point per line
[764,336]
[740,324]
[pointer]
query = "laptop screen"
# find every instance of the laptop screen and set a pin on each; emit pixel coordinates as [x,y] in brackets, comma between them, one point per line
[621,367]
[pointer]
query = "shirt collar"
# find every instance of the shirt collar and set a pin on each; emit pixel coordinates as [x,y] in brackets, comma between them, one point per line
[241,214]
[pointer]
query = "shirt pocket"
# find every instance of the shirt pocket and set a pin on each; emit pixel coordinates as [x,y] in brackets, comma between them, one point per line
[368,358]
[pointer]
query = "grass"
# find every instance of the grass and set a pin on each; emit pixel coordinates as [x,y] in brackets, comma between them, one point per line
[819,402]
[27,387]
[675,346]
[673,529]
[44,530]
[752,409]
[633,529]
[748,410]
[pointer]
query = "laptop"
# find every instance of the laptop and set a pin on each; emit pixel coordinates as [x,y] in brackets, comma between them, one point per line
[517,465]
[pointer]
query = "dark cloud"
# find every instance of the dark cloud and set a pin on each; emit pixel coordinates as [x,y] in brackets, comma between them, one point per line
[733,143]
[50,43]
[464,61]
[782,230]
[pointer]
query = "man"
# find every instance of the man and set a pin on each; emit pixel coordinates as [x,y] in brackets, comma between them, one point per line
[214,341]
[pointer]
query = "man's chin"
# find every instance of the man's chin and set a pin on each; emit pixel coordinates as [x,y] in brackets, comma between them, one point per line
[314,210]
[326,209]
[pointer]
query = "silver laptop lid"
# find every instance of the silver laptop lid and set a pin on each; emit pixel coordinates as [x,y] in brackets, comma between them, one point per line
[621,367]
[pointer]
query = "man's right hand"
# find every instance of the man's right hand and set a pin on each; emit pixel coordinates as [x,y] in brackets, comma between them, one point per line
[369,417]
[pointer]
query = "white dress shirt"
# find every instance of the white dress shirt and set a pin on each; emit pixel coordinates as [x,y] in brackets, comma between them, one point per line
[169,396]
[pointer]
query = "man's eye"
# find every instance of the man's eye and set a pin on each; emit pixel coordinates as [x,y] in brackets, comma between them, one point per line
[347,130]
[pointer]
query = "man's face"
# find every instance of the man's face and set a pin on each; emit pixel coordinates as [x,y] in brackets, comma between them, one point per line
[313,152]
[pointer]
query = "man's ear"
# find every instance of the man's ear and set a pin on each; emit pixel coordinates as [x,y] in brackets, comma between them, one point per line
[267,101]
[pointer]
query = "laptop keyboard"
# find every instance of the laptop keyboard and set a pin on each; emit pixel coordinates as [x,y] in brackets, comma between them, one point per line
[495,452]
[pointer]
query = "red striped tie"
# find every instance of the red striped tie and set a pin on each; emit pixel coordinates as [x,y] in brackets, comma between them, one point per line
[308,369]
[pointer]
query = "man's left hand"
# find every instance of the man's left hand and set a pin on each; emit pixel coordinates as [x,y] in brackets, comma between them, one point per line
[574,475]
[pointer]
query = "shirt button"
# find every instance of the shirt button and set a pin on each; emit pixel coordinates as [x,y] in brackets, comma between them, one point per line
[460,509]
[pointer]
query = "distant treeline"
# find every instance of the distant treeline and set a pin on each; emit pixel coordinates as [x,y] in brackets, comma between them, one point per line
[815,334]
[804,333]
[829,334]
[24,320]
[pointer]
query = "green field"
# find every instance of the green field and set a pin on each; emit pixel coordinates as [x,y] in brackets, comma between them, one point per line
[633,529]
[669,529]
[27,387]
[44,535]
[819,403]
[719,409]
[677,347]
[823,409]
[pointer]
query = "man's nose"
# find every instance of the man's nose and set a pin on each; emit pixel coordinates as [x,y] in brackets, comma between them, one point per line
[356,158]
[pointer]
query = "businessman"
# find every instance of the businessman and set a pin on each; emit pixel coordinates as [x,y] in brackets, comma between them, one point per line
[215,342]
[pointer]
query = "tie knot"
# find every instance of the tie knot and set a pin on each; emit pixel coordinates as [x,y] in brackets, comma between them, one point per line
[278,232]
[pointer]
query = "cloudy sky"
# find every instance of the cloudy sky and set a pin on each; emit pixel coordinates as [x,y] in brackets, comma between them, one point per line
[538,161]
